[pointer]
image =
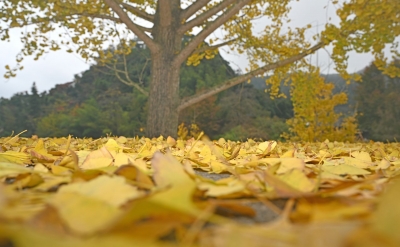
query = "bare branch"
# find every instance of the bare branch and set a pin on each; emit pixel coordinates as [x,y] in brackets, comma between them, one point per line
[142,72]
[128,80]
[204,16]
[131,25]
[242,78]
[138,12]
[208,30]
[192,9]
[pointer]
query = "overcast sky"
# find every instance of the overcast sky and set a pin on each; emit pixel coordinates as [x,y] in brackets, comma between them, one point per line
[60,67]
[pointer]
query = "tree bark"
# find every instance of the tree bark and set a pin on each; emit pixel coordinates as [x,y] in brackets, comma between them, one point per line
[163,99]
[164,87]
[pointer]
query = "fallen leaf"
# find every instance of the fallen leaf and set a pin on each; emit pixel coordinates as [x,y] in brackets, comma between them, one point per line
[386,219]
[112,190]
[83,214]
[14,157]
[97,159]
[345,170]
[296,179]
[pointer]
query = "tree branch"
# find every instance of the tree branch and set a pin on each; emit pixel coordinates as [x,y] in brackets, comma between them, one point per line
[212,47]
[184,54]
[128,80]
[145,29]
[186,102]
[192,9]
[138,12]
[131,25]
[204,16]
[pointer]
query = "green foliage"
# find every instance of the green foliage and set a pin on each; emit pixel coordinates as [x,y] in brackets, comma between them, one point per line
[209,73]
[235,134]
[261,128]
[96,103]
[54,125]
[21,112]
[91,120]
[378,103]
[250,113]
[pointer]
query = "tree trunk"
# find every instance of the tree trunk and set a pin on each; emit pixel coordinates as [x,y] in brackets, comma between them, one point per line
[163,99]
[162,116]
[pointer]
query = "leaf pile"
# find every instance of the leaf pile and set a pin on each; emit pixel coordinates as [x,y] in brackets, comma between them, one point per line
[166,192]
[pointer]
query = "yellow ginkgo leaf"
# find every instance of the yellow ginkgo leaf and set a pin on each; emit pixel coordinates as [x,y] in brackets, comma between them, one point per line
[97,159]
[344,169]
[298,180]
[232,186]
[14,157]
[113,145]
[84,214]
[386,219]
[359,163]
[112,190]
[7,169]
[364,156]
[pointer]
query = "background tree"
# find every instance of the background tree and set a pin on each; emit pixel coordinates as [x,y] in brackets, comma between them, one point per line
[365,26]
[378,104]
[22,111]
[314,104]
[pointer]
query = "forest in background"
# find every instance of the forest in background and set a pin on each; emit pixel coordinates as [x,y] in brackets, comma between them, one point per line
[97,103]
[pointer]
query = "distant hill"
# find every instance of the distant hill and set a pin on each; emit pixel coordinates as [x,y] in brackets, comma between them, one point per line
[336,79]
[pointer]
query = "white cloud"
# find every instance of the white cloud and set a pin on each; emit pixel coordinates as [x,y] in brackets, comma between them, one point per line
[51,69]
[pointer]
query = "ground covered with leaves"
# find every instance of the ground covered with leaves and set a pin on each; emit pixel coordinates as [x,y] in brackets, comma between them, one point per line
[118,191]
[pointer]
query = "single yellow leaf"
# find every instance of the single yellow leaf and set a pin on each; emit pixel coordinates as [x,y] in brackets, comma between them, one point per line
[344,169]
[364,156]
[112,145]
[122,139]
[121,159]
[218,189]
[359,163]
[112,190]
[288,154]
[383,164]
[83,214]
[15,157]
[298,180]
[97,159]
[288,164]
[7,169]
[60,170]
[386,219]
[217,167]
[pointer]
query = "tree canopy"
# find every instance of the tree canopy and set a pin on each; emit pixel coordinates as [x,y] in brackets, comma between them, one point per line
[365,26]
